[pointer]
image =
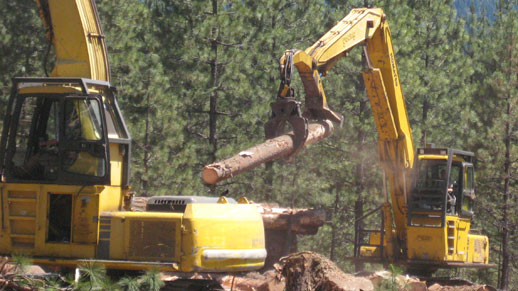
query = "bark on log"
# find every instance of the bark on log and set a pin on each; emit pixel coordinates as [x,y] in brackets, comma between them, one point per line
[275,148]
[281,227]
[300,221]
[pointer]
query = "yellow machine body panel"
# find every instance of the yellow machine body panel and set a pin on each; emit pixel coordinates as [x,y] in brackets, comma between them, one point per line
[116,164]
[447,243]
[222,237]
[439,246]
[453,243]
[28,226]
[140,236]
[374,251]
[478,249]
[206,237]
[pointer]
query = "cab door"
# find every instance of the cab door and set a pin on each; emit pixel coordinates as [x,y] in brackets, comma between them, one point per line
[55,138]
[84,144]
[468,191]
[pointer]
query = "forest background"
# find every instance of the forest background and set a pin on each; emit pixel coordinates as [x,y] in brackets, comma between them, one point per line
[195,79]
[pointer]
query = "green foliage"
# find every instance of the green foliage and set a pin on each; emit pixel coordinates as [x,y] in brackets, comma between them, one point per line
[485,8]
[21,262]
[129,284]
[93,277]
[151,281]
[89,276]
[497,97]
[22,45]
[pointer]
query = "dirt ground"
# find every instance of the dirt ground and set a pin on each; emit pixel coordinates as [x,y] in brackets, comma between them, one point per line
[304,271]
[309,271]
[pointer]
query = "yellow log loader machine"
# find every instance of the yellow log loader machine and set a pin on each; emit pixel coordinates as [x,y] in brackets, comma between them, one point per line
[427,224]
[65,173]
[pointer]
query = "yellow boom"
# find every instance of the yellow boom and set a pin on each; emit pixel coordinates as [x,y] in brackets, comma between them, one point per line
[370,28]
[74,28]
[431,202]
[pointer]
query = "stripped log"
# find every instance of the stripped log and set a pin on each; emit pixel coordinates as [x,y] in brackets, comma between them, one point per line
[275,148]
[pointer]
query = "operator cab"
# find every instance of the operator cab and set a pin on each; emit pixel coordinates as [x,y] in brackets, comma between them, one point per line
[59,131]
[443,184]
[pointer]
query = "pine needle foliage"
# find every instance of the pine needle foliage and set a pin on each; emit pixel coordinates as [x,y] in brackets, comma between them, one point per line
[151,281]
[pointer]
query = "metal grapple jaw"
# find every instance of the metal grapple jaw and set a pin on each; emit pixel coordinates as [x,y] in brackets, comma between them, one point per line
[323,113]
[287,110]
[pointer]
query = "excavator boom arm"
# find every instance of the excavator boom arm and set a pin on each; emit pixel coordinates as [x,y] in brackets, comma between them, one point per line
[367,27]
[74,29]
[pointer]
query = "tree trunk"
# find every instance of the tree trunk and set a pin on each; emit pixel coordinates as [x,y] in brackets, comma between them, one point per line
[213,83]
[360,167]
[503,283]
[145,184]
[358,212]
[334,225]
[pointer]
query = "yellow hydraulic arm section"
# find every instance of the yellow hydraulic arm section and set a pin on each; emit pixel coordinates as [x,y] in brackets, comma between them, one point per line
[367,27]
[74,29]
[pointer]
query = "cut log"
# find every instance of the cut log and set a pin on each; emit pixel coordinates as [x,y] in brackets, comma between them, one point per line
[300,221]
[281,227]
[275,148]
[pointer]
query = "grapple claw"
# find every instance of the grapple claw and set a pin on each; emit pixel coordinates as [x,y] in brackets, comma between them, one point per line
[288,110]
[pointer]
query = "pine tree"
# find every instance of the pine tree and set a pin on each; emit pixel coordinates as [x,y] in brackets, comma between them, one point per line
[147,95]
[23,46]
[498,96]
[436,71]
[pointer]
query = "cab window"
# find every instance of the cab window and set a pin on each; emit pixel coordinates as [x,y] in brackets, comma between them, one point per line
[82,120]
[57,136]
[467,201]
[455,178]
[36,153]
[432,174]
[83,123]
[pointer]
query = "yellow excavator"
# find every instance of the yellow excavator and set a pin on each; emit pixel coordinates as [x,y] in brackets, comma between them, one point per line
[427,225]
[65,173]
